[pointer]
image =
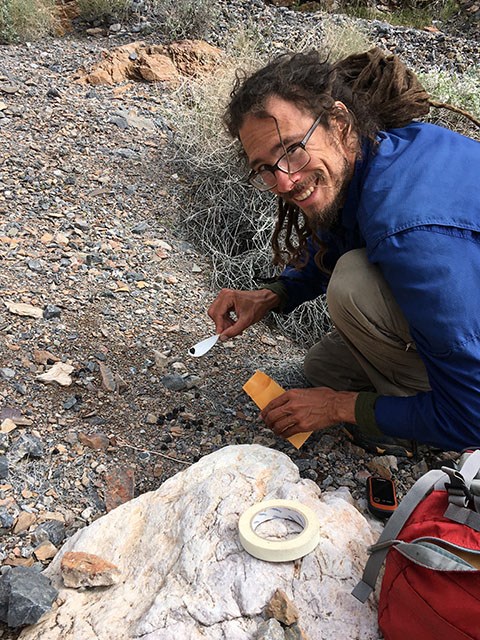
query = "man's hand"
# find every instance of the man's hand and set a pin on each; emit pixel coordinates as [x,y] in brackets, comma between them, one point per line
[233,311]
[300,410]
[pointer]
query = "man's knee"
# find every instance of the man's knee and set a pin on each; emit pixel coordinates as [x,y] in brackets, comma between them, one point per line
[350,283]
[310,366]
[330,363]
[319,371]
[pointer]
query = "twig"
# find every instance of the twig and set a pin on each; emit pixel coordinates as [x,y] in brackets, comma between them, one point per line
[122,443]
[451,107]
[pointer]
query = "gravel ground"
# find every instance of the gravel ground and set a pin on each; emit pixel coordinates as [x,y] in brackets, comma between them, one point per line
[88,238]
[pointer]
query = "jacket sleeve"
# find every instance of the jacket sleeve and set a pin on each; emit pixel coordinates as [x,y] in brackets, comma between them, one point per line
[297,285]
[434,274]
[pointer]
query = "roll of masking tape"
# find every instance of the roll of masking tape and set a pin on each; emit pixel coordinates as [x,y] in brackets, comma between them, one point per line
[279,550]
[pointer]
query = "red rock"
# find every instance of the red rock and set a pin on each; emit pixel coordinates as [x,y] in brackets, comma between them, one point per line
[94,440]
[80,569]
[120,487]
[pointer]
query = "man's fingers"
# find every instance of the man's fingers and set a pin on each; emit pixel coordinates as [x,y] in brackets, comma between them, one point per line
[289,431]
[285,425]
[275,404]
[279,417]
[234,311]
[226,334]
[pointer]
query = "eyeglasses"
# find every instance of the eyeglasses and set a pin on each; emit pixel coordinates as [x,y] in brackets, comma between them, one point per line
[295,158]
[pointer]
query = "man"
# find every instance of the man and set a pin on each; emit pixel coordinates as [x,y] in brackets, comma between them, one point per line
[383,213]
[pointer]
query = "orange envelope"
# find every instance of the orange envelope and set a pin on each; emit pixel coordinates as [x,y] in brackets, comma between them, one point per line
[261,389]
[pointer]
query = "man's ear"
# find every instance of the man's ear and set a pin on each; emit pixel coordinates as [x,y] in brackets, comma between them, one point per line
[342,117]
[340,105]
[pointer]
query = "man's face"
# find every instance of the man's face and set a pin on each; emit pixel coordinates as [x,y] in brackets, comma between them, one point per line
[319,188]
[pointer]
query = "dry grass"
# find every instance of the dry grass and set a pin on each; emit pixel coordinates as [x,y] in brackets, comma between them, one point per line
[463,92]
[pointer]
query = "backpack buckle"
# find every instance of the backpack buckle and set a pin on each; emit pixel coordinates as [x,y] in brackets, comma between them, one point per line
[458,492]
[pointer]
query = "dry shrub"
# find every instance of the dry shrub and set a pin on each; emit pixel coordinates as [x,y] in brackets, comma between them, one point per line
[24,20]
[412,13]
[222,215]
[180,19]
[103,10]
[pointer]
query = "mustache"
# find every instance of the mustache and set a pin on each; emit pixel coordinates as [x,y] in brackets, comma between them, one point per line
[319,179]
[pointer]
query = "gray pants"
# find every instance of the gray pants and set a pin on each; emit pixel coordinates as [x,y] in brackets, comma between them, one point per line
[370,348]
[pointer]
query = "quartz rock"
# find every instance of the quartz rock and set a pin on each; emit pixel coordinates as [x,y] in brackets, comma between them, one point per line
[186,575]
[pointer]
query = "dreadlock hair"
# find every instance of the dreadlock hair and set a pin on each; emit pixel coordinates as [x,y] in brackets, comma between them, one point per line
[377,89]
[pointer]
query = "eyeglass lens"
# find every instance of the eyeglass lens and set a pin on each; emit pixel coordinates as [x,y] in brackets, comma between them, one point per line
[294,160]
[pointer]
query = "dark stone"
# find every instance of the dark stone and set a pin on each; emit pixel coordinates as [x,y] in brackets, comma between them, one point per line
[303,464]
[53,530]
[141,227]
[10,412]
[70,402]
[311,474]
[174,382]
[6,519]
[35,265]
[120,121]
[4,442]
[51,311]
[25,595]
[3,467]
[26,445]
[4,596]
[20,388]
[95,421]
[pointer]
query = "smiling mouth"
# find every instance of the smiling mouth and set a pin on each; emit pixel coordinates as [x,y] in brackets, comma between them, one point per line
[306,193]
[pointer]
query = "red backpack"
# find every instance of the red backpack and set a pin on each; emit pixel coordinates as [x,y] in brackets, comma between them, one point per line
[431,586]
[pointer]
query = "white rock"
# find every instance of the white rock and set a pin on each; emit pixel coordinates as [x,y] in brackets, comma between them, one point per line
[60,373]
[23,309]
[185,574]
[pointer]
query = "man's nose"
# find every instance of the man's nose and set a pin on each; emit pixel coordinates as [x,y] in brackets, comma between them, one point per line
[285,181]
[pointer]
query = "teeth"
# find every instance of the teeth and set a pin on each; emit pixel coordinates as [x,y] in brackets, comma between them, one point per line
[305,194]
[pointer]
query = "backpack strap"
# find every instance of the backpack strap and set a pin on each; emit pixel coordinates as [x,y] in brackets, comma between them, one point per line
[458,488]
[422,487]
[471,469]
[475,491]
[471,472]
[464,489]
[463,515]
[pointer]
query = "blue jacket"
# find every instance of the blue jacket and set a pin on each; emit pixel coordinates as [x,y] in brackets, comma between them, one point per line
[415,205]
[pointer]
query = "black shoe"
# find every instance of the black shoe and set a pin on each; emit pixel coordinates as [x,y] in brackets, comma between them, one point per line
[383,445]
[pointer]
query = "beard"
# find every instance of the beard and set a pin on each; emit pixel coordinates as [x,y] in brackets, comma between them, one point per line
[316,219]
[328,217]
